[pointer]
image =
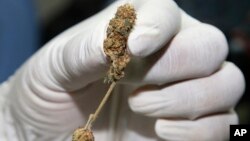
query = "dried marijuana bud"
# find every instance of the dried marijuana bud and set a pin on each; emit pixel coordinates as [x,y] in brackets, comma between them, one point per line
[115,45]
[82,134]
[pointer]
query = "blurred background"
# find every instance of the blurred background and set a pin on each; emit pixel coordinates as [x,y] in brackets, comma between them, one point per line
[26,25]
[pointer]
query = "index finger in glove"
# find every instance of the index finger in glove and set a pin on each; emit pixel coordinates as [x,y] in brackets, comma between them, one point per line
[198,50]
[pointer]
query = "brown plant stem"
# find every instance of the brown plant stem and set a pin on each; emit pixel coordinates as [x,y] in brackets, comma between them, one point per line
[93,117]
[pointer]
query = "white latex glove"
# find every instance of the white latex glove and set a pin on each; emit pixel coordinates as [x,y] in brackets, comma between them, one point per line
[190,94]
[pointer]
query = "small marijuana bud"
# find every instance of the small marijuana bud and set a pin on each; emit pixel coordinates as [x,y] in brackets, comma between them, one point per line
[82,134]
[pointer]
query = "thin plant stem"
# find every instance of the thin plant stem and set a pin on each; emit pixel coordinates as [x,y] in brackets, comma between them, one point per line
[93,117]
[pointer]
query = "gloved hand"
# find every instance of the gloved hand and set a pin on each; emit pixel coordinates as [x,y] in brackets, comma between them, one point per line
[185,85]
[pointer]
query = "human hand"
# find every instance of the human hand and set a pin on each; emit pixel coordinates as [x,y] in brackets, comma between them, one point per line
[53,93]
[188,86]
